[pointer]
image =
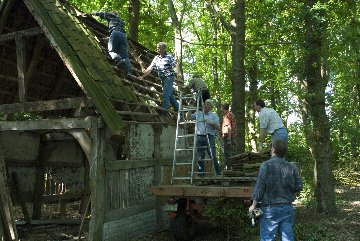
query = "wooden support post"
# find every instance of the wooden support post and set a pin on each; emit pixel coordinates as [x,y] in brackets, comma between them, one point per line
[97,181]
[45,150]
[85,143]
[85,198]
[2,234]
[8,224]
[21,200]
[157,173]
[62,207]
[21,67]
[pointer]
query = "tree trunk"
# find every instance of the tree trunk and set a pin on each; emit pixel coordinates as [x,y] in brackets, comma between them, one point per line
[134,14]
[355,139]
[252,97]
[238,72]
[314,74]
[214,64]
[178,38]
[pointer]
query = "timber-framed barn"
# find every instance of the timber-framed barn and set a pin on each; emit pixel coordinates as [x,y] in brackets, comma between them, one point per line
[69,117]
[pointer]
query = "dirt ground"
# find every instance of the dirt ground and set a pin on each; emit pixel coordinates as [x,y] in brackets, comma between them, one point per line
[342,226]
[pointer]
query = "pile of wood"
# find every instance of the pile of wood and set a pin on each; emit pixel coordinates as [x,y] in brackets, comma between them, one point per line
[246,164]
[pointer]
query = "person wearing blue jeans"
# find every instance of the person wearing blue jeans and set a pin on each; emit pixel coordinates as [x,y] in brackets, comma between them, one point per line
[118,49]
[277,183]
[270,123]
[167,83]
[202,141]
[164,63]
[207,124]
[118,42]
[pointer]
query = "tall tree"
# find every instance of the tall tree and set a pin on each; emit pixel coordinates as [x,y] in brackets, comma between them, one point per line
[236,28]
[315,77]
[176,23]
[134,14]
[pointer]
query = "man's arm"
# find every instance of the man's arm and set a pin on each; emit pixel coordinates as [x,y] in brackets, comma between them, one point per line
[213,122]
[259,187]
[102,15]
[146,72]
[261,139]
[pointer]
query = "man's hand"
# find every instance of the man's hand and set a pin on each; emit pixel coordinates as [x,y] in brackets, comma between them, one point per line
[210,122]
[253,206]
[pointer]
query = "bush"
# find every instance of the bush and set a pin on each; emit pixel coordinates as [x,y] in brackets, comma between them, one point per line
[231,216]
[311,232]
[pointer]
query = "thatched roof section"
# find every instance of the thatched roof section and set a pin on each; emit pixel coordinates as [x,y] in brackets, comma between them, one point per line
[49,52]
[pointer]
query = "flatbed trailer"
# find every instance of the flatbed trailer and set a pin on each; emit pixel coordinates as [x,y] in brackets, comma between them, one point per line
[185,202]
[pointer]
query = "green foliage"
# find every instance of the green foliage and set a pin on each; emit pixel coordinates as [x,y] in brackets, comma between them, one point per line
[311,232]
[232,216]
[274,59]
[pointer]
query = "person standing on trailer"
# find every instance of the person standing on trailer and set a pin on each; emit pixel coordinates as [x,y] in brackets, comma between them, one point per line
[270,123]
[207,123]
[228,133]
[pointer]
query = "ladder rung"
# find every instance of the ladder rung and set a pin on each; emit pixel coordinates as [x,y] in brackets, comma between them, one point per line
[188,109]
[185,149]
[181,178]
[186,122]
[205,160]
[188,96]
[187,135]
[183,163]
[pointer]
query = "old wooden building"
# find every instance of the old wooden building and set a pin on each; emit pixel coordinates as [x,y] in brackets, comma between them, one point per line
[75,127]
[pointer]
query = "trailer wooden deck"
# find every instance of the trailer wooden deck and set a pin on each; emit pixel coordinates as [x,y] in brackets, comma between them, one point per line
[230,187]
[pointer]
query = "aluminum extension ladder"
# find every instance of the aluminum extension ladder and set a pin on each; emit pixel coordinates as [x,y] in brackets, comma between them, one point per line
[188,162]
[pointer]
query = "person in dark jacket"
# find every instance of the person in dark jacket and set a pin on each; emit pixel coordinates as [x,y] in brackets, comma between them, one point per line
[118,42]
[276,185]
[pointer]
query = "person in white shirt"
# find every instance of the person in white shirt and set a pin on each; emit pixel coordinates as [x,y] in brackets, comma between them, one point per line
[270,123]
[207,123]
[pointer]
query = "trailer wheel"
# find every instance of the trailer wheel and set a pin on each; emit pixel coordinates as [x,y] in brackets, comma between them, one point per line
[183,227]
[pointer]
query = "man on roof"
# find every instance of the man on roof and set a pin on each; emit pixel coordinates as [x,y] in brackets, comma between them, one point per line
[118,42]
[164,63]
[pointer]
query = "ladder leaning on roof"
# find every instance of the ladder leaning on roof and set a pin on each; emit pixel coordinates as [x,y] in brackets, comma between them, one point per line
[189,164]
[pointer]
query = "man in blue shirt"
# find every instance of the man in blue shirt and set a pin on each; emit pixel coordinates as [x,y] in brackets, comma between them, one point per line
[164,64]
[277,183]
[207,123]
[118,42]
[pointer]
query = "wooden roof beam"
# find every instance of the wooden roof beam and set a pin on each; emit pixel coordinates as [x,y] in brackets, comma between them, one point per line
[21,66]
[36,106]
[23,33]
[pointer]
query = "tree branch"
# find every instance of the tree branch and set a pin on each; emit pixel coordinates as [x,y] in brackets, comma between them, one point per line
[216,9]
